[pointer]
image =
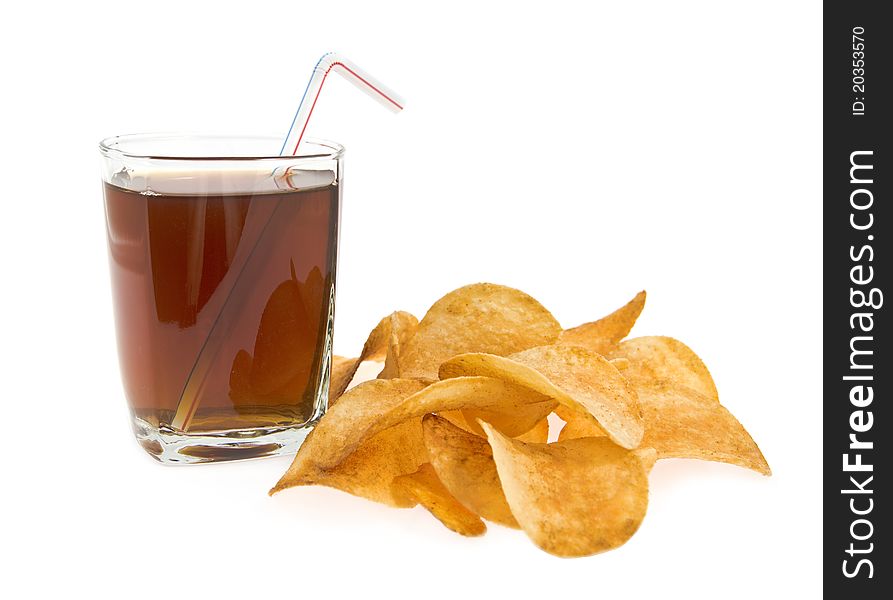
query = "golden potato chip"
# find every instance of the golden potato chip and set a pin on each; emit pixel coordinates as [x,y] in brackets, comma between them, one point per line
[456,418]
[572,498]
[574,376]
[481,317]
[368,409]
[621,363]
[375,348]
[647,456]
[578,426]
[680,405]
[473,445]
[654,360]
[464,464]
[369,471]
[603,335]
[566,413]
[358,406]
[514,407]
[538,434]
[403,328]
[343,371]
[425,488]
[681,423]
[515,421]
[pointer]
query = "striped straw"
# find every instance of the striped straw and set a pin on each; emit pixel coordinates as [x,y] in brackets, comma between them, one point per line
[189,399]
[349,70]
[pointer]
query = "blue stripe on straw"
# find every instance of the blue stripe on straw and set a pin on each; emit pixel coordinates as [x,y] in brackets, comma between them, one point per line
[297,112]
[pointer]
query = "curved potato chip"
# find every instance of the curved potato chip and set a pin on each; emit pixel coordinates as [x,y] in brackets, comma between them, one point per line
[538,434]
[578,426]
[375,348]
[566,413]
[681,423]
[655,360]
[574,376]
[572,498]
[361,413]
[622,363]
[683,416]
[482,317]
[516,421]
[425,488]
[647,456]
[455,417]
[603,335]
[403,328]
[354,410]
[464,464]
[370,470]
[343,371]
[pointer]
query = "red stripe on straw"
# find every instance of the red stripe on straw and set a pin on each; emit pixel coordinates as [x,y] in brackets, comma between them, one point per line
[319,91]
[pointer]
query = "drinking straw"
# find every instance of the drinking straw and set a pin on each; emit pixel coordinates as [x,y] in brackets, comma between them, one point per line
[350,71]
[192,390]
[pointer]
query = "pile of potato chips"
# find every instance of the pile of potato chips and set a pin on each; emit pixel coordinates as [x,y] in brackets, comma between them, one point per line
[457,421]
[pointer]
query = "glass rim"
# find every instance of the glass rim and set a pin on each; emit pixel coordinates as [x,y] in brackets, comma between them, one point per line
[110,147]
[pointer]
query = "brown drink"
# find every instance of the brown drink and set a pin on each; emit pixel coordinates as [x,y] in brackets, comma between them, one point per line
[223,302]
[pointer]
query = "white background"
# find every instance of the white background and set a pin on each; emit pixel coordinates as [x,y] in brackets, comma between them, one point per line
[580,155]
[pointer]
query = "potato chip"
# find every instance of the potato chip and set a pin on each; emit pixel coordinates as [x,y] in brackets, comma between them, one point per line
[647,456]
[574,376]
[620,363]
[370,470]
[368,409]
[514,407]
[653,360]
[356,407]
[464,463]
[516,421]
[403,328]
[376,345]
[375,348]
[455,417]
[680,405]
[603,335]
[578,426]
[566,413]
[343,371]
[681,423]
[425,488]
[538,434]
[474,445]
[572,498]
[481,317]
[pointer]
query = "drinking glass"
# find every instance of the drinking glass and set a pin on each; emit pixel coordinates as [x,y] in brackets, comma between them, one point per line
[223,261]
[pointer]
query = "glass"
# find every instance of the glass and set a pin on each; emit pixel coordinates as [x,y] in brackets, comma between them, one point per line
[223,259]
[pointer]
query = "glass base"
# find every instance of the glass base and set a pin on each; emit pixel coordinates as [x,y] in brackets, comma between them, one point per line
[174,447]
